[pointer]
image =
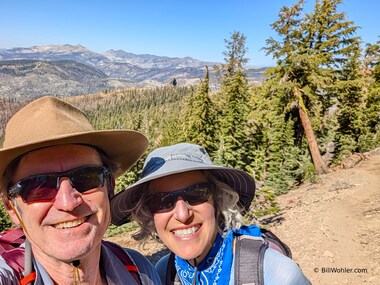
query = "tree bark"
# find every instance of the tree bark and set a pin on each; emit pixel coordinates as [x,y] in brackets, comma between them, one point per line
[319,164]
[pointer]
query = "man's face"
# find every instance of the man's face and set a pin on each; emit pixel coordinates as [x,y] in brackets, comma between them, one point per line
[72,225]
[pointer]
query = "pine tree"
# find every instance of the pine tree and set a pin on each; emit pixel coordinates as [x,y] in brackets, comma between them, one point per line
[317,50]
[200,117]
[233,105]
[336,43]
[294,65]
[372,108]
[276,158]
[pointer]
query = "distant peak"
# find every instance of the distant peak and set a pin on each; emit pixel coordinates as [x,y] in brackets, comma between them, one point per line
[58,48]
[115,51]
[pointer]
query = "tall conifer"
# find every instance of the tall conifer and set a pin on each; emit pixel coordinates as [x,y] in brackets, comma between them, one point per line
[316,51]
[233,104]
[335,42]
[200,117]
[372,108]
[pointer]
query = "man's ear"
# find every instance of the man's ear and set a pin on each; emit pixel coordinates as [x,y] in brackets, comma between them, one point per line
[10,209]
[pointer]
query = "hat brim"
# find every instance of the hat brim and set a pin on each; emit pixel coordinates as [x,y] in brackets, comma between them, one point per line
[120,146]
[238,180]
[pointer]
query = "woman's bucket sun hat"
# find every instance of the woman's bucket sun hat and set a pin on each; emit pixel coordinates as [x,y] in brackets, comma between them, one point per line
[49,121]
[180,158]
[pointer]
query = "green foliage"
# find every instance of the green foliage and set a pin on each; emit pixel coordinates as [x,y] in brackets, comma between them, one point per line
[318,62]
[371,138]
[200,115]
[282,157]
[232,101]
[372,108]
[308,171]
[277,159]
[5,221]
[346,146]
[116,230]
[264,203]
[233,123]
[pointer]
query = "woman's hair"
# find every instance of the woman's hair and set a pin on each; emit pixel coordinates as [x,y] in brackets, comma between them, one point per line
[225,200]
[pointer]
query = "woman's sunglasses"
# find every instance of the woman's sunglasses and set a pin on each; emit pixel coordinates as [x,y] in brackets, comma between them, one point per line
[44,187]
[165,201]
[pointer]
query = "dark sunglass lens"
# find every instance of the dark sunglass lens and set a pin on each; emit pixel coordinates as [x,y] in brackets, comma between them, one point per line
[160,202]
[38,188]
[196,196]
[168,201]
[154,205]
[87,178]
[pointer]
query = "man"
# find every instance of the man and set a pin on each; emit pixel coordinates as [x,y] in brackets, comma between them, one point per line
[56,176]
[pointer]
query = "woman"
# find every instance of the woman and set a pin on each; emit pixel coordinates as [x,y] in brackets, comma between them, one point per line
[194,207]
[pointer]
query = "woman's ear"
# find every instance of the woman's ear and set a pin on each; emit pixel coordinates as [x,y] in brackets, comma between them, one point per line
[11,209]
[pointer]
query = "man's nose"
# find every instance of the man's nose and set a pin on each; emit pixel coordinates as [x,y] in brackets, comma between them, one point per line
[67,198]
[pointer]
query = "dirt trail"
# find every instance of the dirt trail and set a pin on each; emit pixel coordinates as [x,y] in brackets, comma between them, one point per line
[332,226]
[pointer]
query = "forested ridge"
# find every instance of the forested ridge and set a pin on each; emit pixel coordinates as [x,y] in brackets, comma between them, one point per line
[318,105]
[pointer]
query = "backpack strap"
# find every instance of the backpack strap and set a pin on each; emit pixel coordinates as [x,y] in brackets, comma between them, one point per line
[249,256]
[275,243]
[28,278]
[125,258]
[171,272]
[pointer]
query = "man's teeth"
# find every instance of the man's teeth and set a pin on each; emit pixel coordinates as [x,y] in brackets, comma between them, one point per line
[185,232]
[70,224]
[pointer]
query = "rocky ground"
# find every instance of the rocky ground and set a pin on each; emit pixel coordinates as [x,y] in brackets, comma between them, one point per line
[332,225]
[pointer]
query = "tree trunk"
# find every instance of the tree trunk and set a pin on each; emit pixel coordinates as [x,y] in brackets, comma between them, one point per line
[319,165]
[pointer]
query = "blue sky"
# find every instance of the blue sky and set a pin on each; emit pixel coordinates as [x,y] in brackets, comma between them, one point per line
[195,28]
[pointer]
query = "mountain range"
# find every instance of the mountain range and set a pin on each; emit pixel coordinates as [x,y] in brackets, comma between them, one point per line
[63,70]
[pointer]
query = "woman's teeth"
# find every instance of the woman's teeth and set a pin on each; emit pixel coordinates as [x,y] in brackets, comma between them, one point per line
[185,232]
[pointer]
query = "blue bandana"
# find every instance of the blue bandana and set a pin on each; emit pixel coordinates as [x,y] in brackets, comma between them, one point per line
[215,268]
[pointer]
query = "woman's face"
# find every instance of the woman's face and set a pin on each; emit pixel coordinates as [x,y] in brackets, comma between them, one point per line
[188,231]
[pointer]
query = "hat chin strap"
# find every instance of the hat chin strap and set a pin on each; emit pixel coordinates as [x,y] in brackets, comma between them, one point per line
[18,217]
[76,275]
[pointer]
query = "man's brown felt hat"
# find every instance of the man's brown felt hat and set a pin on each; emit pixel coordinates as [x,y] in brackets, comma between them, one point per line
[50,121]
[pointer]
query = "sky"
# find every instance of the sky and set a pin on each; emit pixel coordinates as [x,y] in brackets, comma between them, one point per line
[194,28]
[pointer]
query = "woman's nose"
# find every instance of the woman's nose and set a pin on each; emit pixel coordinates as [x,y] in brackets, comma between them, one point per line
[182,210]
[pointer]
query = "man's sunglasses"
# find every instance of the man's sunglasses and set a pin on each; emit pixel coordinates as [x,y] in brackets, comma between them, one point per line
[44,187]
[165,201]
